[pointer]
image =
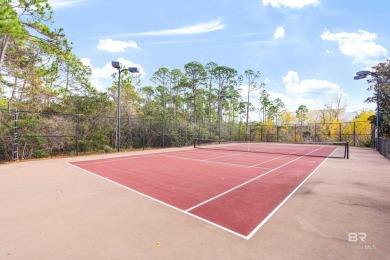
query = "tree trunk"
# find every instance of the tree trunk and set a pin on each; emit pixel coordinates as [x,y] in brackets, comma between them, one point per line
[3,48]
[13,93]
[247,114]
[194,92]
[22,91]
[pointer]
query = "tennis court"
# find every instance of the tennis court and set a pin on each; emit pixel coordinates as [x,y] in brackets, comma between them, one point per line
[228,201]
[234,186]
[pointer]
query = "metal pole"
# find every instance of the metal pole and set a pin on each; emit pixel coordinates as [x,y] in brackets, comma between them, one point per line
[295,133]
[143,133]
[163,140]
[219,119]
[15,155]
[340,132]
[261,134]
[118,116]
[377,122]
[77,134]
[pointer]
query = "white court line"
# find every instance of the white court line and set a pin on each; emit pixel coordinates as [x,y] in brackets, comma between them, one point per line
[235,165]
[222,156]
[214,162]
[122,158]
[258,151]
[274,159]
[249,181]
[127,157]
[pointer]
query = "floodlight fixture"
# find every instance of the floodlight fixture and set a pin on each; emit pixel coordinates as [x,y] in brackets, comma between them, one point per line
[363,73]
[116,64]
[133,70]
[357,77]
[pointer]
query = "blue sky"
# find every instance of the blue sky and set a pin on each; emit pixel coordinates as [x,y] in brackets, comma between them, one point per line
[307,50]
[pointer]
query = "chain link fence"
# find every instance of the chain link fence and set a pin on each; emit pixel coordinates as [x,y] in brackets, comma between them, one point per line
[26,135]
[384,147]
[357,133]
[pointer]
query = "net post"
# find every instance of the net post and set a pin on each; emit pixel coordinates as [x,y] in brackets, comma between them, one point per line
[346,150]
[195,142]
[295,133]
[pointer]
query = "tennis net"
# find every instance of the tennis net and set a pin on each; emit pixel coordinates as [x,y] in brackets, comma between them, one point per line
[316,149]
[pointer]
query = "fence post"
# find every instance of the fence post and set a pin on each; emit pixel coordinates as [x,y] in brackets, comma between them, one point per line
[239,131]
[77,134]
[261,133]
[354,134]
[231,131]
[295,133]
[339,132]
[143,133]
[249,134]
[163,125]
[315,132]
[186,132]
[15,155]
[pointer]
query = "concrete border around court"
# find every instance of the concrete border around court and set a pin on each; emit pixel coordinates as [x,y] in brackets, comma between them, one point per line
[49,209]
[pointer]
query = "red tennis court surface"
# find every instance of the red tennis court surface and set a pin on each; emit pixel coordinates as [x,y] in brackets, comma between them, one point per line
[236,191]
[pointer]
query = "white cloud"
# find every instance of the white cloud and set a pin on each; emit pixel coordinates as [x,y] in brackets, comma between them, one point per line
[101,77]
[309,87]
[116,46]
[292,103]
[290,3]
[311,93]
[210,26]
[330,52]
[279,33]
[57,4]
[359,46]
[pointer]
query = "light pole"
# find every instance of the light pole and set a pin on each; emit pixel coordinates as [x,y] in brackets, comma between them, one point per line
[117,65]
[362,75]
[219,114]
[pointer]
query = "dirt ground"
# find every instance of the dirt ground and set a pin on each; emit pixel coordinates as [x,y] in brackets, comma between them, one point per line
[50,209]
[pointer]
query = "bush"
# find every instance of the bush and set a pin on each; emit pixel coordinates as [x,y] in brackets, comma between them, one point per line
[40,154]
[108,149]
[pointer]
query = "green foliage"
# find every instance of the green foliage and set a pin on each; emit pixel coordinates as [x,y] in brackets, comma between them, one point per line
[40,154]
[3,102]
[9,23]
[108,149]
[301,113]
[381,86]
